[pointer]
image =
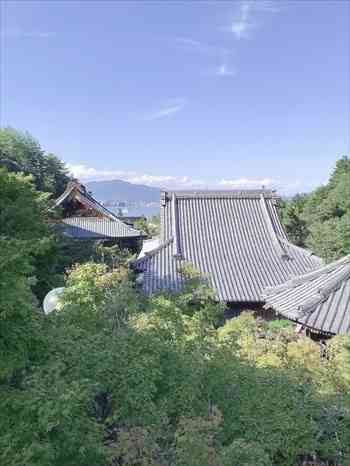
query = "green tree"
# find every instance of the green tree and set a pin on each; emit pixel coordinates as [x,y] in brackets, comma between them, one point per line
[23,236]
[321,220]
[295,225]
[242,453]
[196,442]
[20,152]
[150,227]
[327,213]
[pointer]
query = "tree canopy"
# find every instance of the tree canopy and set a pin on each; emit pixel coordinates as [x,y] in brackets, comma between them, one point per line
[125,380]
[321,220]
[20,152]
[23,237]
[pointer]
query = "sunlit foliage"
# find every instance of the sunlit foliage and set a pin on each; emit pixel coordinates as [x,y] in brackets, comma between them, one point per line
[114,379]
[20,152]
[321,220]
[128,381]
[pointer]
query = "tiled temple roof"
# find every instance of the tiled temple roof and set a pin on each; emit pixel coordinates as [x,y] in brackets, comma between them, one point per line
[235,238]
[97,228]
[99,223]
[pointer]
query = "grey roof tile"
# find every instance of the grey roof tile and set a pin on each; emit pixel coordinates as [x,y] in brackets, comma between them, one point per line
[107,225]
[97,228]
[78,191]
[319,300]
[233,237]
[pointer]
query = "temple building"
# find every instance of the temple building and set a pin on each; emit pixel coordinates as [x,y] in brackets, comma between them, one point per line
[319,301]
[234,238]
[84,218]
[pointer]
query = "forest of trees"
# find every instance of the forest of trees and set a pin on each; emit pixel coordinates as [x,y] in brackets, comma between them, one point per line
[116,379]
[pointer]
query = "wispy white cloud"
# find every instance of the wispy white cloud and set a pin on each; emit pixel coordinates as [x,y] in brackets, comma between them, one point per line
[224,71]
[248,183]
[284,187]
[84,173]
[168,108]
[175,182]
[23,34]
[194,45]
[220,53]
[242,24]
[246,18]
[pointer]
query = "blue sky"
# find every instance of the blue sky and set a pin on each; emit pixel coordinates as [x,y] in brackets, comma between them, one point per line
[182,94]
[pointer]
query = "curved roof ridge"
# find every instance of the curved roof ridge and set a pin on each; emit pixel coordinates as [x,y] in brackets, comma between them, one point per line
[95,202]
[320,270]
[81,191]
[335,281]
[323,292]
[296,280]
[69,188]
[163,245]
[271,229]
[153,252]
[175,225]
[318,299]
[84,196]
[305,251]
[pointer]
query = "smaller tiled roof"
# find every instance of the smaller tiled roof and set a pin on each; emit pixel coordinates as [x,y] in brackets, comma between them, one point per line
[97,228]
[162,257]
[149,245]
[319,300]
[105,225]
[79,192]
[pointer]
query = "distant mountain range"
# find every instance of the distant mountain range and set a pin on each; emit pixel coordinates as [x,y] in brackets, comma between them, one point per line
[118,190]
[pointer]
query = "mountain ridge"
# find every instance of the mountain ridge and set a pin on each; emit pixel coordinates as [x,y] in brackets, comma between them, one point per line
[119,190]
